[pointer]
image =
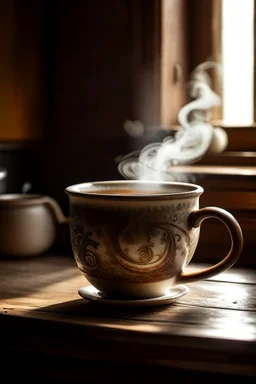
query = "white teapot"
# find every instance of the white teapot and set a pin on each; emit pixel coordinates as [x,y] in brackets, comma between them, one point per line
[28,223]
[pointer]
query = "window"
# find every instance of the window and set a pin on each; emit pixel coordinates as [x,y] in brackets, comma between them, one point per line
[237,56]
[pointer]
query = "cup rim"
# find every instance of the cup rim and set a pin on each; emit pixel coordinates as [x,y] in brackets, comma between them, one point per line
[187,190]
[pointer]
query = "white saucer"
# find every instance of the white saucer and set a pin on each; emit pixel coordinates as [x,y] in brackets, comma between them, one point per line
[92,294]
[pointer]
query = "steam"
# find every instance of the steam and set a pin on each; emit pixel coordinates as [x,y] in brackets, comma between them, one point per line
[188,145]
[26,187]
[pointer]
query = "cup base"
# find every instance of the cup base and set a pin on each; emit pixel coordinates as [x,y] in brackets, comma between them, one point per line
[94,295]
[131,290]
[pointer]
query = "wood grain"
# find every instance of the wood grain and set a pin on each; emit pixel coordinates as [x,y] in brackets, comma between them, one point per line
[233,158]
[211,329]
[204,39]
[173,53]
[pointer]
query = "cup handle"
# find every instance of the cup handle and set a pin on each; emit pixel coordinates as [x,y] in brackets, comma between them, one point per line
[195,219]
[55,208]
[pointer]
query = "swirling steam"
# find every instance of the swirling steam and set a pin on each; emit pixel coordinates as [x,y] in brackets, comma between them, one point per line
[187,145]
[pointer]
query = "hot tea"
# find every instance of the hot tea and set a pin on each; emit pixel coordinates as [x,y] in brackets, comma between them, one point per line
[125,192]
[138,243]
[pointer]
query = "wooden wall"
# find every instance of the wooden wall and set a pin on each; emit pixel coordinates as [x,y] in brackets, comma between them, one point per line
[104,62]
[73,72]
[21,70]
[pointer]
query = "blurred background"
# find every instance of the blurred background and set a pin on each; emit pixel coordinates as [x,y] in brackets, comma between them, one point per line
[72,73]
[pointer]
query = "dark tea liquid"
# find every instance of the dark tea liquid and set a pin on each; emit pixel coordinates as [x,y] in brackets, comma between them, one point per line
[124,192]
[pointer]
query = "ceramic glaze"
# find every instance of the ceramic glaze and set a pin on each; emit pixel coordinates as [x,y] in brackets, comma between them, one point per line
[135,244]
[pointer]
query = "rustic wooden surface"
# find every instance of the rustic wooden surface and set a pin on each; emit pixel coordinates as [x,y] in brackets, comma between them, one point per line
[211,329]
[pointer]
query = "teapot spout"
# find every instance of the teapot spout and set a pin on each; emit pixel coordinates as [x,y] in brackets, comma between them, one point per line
[56,210]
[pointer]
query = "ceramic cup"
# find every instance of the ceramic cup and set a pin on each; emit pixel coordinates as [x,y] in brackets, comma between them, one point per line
[28,224]
[133,239]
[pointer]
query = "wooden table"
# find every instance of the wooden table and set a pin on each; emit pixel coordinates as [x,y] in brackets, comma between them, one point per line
[48,331]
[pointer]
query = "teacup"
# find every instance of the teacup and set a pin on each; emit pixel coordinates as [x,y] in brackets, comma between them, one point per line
[133,239]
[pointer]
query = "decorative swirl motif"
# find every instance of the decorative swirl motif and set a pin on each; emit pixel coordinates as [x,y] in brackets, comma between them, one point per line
[159,245]
[87,259]
[145,253]
[91,260]
[130,247]
[178,237]
[153,247]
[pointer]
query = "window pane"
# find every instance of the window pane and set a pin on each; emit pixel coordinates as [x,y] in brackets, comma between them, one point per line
[237,61]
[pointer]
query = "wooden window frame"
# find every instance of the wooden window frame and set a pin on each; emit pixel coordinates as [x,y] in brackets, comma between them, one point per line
[228,177]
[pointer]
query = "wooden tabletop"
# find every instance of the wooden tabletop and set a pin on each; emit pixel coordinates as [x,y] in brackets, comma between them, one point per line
[211,329]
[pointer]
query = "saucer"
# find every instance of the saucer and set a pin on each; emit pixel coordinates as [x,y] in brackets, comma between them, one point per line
[92,294]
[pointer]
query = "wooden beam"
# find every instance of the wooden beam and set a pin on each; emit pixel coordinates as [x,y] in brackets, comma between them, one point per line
[204,39]
[174,61]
